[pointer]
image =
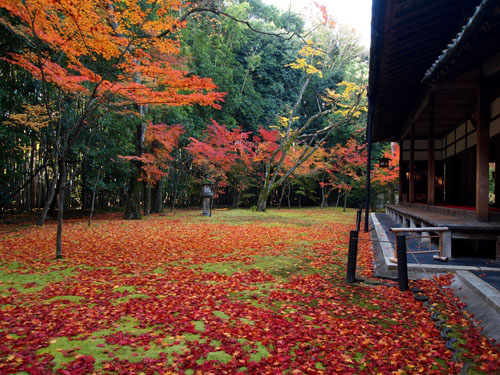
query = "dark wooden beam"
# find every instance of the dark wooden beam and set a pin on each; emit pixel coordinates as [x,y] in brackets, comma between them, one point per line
[430,154]
[482,152]
[451,105]
[411,190]
[497,177]
[492,66]
[401,172]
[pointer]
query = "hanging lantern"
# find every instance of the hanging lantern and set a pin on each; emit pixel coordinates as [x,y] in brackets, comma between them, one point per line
[383,162]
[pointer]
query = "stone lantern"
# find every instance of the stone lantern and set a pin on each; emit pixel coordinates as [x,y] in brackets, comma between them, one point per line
[206,195]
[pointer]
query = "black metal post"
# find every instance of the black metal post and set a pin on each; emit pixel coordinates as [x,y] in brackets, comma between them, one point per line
[351,256]
[368,156]
[358,218]
[402,262]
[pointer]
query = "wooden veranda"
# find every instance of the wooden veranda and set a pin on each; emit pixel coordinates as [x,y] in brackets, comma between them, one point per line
[434,87]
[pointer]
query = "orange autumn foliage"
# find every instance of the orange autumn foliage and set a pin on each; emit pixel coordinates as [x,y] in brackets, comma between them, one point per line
[346,166]
[160,141]
[386,176]
[107,50]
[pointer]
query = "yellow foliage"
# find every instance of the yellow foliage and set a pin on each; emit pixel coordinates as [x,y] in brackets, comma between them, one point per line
[34,117]
[309,51]
[283,123]
[343,97]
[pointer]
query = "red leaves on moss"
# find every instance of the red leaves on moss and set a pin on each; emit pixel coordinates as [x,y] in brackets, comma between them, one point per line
[215,298]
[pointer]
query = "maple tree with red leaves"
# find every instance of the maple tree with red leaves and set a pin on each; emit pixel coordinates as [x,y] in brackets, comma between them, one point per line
[160,141]
[223,154]
[346,168]
[103,56]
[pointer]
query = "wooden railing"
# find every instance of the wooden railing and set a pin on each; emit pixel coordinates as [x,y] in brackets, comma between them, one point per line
[439,230]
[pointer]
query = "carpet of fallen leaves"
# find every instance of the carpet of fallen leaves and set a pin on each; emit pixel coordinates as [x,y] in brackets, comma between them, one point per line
[240,292]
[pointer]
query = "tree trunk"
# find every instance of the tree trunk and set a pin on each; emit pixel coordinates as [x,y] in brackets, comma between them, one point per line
[46,186]
[338,198]
[32,192]
[48,201]
[216,187]
[157,204]
[40,192]
[345,200]
[289,196]
[133,205]
[85,203]
[147,198]
[93,197]
[60,211]
[236,198]
[262,202]
[53,205]
[176,185]
[281,196]
[324,197]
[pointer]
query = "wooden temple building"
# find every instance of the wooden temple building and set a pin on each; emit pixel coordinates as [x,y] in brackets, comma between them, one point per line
[434,87]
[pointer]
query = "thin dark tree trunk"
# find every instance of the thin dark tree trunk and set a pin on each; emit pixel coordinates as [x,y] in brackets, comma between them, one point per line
[289,196]
[325,192]
[176,185]
[283,188]
[238,199]
[338,198]
[32,170]
[60,210]
[46,186]
[54,203]
[48,201]
[157,204]
[85,203]
[40,191]
[133,205]
[93,197]
[19,200]
[147,198]
[216,187]
[324,198]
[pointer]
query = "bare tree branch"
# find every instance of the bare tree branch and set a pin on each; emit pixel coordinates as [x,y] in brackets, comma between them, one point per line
[286,35]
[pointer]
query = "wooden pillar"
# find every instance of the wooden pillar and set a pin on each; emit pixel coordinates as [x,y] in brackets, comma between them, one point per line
[401,173]
[411,192]
[482,153]
[430,155]
[497,182]
[497,176]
